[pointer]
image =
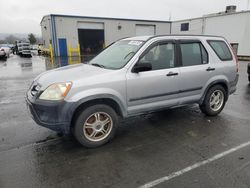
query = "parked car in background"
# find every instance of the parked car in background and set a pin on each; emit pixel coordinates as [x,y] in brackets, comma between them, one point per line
[34,49]
[7,49]
[24,49]
[2,53]
[134,76]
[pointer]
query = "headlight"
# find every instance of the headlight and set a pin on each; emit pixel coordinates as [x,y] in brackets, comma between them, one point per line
[56,91]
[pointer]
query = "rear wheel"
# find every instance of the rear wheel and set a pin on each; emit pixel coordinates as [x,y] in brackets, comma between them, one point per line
[95,125]
[214,101]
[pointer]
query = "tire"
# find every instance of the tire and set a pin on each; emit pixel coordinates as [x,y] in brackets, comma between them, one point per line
[208,107]
[93,130]
[249,78]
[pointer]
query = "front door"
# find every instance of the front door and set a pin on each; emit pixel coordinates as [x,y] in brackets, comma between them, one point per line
[157,88]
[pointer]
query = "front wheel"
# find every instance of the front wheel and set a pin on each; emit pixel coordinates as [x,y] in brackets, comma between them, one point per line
[214,101]
[95,126]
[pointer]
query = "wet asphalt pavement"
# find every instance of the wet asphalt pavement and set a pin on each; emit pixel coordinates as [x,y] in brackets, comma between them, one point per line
[144,149]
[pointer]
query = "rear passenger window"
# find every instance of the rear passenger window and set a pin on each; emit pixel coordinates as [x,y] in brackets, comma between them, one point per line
[193,53]
[221,49]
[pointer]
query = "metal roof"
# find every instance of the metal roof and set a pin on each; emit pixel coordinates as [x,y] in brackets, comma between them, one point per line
[214,15]
[105,18]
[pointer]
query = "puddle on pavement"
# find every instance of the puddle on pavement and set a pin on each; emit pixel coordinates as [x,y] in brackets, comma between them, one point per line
[16,66]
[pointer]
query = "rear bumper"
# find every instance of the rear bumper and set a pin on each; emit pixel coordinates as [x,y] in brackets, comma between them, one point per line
[232,85]
[2,54]
[26,52]
[52,115]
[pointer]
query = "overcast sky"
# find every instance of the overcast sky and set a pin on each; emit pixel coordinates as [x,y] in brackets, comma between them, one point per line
[24,16]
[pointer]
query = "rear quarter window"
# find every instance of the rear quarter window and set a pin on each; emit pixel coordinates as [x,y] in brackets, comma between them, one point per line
[221,49]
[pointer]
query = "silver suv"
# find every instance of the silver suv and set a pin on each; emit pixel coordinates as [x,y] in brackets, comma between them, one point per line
[134,76]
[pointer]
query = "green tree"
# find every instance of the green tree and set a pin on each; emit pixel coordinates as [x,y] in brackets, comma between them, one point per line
[32,38]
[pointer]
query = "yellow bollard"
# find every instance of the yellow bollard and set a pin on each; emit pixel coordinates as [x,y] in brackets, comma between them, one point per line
[79,51]
[69,51]
[51,50]
[74,53]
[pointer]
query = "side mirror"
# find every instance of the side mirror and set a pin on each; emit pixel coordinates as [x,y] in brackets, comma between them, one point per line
[142,67]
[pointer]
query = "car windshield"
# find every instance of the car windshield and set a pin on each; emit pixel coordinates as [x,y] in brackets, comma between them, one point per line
[117,55]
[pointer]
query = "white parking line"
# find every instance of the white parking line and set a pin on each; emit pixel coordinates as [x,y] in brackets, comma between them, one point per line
[196,165]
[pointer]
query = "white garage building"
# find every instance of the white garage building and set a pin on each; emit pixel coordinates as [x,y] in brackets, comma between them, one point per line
[234,26]
[92,33]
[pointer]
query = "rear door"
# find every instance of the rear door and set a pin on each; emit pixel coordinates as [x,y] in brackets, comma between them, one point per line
[195,69]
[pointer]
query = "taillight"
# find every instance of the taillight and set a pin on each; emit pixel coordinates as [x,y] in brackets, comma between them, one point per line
[236,58]
[237,61]
[2,50]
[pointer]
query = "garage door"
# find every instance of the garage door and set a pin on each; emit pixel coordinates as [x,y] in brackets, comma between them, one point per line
[145,30]
[91,38]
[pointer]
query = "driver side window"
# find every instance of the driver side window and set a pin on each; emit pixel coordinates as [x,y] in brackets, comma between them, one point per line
[160,56]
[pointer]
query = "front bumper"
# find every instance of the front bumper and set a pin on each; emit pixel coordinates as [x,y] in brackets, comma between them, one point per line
[52,115]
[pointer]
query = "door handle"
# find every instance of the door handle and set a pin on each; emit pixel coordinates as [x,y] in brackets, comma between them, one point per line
[172,74]
[210,69]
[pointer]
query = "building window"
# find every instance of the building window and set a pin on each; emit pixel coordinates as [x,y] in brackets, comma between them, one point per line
[184,26]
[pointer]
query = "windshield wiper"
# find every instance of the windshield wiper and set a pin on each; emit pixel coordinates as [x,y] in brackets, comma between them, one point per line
[98,65]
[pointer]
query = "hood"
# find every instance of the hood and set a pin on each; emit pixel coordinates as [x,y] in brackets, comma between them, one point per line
[69,73]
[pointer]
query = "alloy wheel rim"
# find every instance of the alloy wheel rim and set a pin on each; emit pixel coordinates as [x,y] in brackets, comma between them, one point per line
[98,126]
[216,100]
